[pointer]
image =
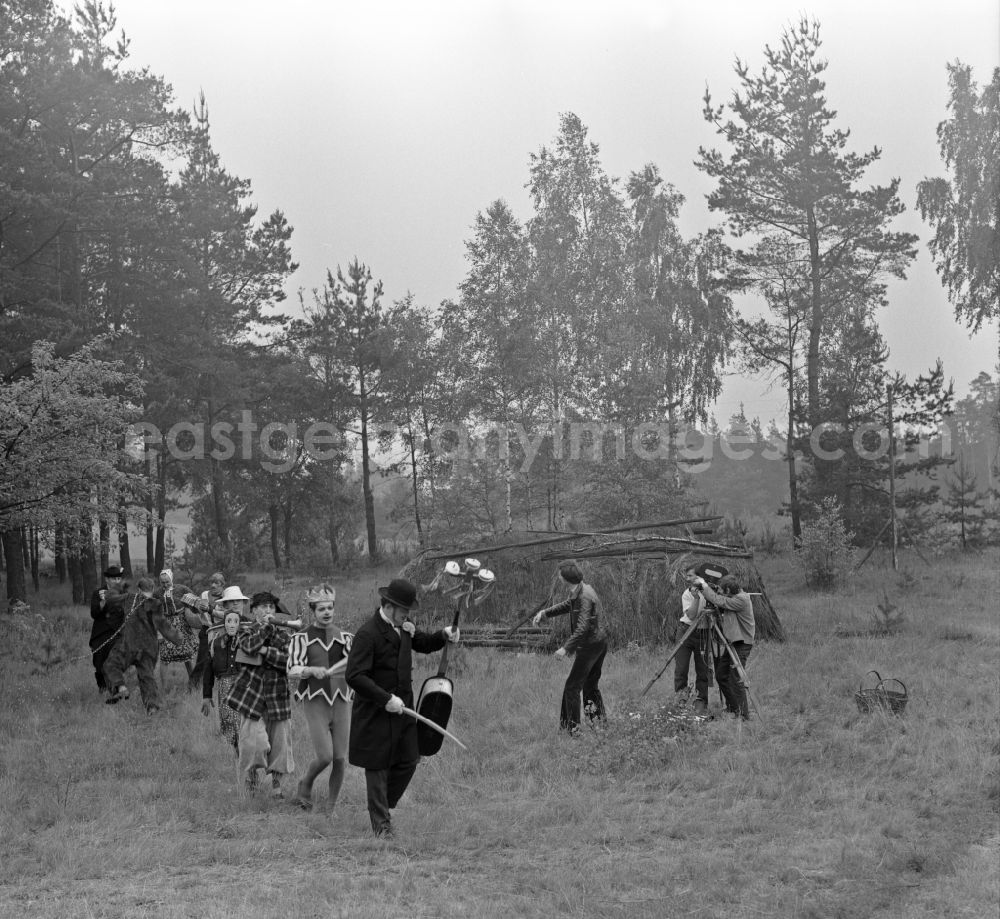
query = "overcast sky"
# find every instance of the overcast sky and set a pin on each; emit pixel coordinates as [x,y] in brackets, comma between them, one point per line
[382,127]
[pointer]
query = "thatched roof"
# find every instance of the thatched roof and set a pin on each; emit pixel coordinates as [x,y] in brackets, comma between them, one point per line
[638,579]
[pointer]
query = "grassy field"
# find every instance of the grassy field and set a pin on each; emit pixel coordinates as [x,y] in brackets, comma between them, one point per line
[813,810]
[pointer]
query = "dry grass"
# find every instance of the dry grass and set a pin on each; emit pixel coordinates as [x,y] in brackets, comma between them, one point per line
[815,811]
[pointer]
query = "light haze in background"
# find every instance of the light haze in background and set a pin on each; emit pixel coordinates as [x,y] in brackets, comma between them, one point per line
[382,128]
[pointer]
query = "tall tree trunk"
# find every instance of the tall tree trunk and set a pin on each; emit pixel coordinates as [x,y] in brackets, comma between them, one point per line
[33,548]
[88,562]
[331,535]
[273,512]
[150,512]
[25,551]
[429,453]
[366,483]
[104,529]
[16,588]
[73,565]
[218,489]
[413,477]
[159,553]
[793,484]
[815,321]
[124,548]
[288,515]
[59,548]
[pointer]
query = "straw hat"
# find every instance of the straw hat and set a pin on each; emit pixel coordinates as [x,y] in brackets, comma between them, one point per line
[232,593]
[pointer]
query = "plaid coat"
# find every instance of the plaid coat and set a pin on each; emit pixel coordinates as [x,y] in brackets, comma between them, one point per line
[263,689]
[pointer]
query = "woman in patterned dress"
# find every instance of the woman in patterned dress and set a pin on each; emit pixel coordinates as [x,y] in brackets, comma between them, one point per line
[184,622]
[221,671]
[318,658]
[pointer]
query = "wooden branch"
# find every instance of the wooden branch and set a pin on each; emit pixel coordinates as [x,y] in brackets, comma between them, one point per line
[525,544]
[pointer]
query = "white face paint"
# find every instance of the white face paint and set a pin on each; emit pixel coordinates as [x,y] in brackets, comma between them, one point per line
[323,612]
[232,623]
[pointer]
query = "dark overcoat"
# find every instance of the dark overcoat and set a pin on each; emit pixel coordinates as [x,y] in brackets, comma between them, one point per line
[107,621]
[380,665]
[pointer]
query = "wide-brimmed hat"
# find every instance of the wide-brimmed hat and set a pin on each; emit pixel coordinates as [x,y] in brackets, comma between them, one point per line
[114,572]
[400,592]
[232,593]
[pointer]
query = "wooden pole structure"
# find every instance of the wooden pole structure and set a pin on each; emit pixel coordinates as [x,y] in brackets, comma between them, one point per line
[894,535]
[524,544]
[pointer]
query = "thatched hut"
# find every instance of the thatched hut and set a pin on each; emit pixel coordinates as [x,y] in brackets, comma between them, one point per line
[638,578]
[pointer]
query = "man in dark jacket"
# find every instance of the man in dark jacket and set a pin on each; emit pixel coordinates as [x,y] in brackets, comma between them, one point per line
[588,641]
[107,609]
[739,627]
[138,646]
[383,740]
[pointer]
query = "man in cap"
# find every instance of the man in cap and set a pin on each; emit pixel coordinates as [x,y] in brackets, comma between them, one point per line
[107,609]
[260,694]
[383,740]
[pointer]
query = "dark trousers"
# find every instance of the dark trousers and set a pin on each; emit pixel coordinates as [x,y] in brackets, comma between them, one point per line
[583,677]
[730,684]
[385,788]
[100,658]
[697,645]
[120,660]
[201,660]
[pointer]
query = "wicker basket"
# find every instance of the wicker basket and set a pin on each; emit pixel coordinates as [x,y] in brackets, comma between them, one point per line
[878,697]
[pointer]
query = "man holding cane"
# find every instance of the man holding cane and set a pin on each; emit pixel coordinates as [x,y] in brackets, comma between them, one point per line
[383,740]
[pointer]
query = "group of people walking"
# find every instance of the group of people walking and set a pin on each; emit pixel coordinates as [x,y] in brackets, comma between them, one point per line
[356,689]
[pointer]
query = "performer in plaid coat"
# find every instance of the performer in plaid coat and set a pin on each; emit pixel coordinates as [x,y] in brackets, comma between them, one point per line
[260,696]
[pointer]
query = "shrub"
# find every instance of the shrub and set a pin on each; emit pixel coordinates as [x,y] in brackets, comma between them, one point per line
[825,554]
[637,739]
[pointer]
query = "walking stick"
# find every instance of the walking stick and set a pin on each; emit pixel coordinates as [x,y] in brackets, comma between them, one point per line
[433,725]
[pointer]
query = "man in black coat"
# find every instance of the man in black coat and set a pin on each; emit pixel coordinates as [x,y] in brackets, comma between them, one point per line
[383,740]
[107,609]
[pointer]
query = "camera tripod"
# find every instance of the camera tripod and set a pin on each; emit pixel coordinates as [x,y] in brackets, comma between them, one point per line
[719,635]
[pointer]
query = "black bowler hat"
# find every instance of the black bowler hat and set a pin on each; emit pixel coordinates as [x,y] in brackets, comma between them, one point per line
[114,572]
[400,592]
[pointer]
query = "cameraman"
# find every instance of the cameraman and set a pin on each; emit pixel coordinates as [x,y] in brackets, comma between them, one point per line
[697,645]
[739,629]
